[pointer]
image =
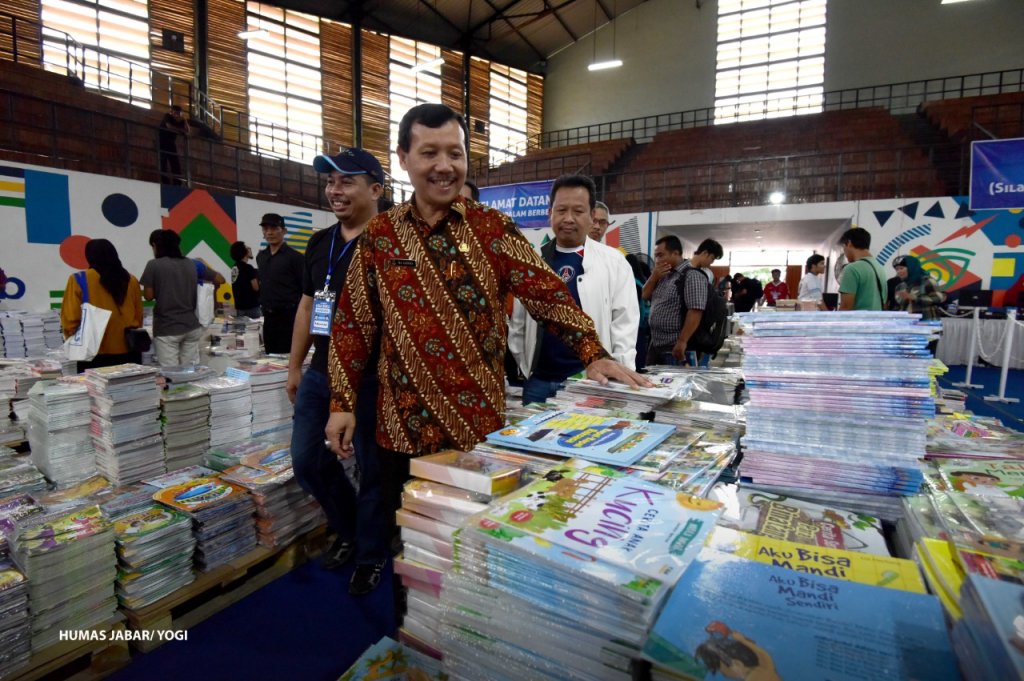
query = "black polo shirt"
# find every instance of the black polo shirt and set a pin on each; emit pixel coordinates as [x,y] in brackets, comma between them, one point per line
[280,278]
[314,274]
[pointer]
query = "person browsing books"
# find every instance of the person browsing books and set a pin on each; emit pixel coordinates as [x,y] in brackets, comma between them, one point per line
[917,292]
[354,183]
[810,285]
[110,287]
[863,279]
[600,281]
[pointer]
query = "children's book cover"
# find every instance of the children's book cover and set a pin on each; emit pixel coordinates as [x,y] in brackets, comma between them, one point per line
[273,459]
[802,522]
[197,494]
[617,442]
[81,522]
[985,478]
[155,519]
[746,620]
[891,573]
[651,530]
[179,477]
[389,660]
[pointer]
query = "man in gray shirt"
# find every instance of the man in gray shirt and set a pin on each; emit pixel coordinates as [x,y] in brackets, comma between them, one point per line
[280,271]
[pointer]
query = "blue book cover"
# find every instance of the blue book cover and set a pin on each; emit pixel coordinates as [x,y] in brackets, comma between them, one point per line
[747,620]
[994,613]
[612,441]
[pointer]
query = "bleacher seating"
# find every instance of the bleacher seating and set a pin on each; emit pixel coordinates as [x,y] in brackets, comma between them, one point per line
[593,159]
[1000,114]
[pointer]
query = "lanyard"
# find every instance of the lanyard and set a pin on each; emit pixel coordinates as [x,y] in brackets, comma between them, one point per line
[331,262]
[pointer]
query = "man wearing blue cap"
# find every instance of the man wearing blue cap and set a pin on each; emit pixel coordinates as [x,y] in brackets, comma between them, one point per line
[354,183]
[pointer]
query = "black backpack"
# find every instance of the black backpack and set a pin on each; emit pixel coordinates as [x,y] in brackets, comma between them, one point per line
[710,335]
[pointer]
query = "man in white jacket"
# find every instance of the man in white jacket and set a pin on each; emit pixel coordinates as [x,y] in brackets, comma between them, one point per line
[600,280]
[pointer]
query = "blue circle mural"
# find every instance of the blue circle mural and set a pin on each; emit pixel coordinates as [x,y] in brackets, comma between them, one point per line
[120,210]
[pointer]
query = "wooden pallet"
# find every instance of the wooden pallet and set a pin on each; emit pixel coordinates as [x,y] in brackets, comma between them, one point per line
[211,592]
[80,660]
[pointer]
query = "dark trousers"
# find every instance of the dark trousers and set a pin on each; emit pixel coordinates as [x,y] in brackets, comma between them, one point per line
[643,339]
[357,516]
[277,329]
[170,167]
[110,360]
[395,472]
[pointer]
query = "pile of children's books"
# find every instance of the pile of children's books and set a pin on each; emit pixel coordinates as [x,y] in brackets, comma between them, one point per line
[283,509]
[222,518]
[13,508]
[271,408]
[989,640]
[68,558]
[58,419]
[838,405]
[185,412]
[230,409]
[126,422]
[15,619]
[388,659]
[154,551]
[224,457]
[19,474]
[564,577]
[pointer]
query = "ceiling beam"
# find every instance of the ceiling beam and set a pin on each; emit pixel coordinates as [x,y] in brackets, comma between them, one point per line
[500,14]
[554,11]
[607,14]
[444,18]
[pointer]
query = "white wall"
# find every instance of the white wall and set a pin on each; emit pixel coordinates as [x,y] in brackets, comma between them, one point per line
[668,50]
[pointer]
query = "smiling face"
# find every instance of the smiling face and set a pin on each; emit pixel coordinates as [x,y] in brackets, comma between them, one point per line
[353,198]
[571,218]
[436,163]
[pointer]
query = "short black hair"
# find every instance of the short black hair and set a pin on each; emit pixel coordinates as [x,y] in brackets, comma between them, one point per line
[239,250]
[473,190]
[710,246]
[814,260]
[572,181]
[166,243]
[856,237]
[175,107]
[432,116]
[672,243]
[776,270]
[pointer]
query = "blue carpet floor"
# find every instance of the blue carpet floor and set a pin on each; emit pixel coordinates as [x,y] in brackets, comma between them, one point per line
[306,626]
[303,626]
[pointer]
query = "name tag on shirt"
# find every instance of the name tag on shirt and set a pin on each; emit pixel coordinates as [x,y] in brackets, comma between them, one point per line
[399,262]
[323,308]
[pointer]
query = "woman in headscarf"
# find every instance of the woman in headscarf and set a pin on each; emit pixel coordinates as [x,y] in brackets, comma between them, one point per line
[917,292]
[111,287]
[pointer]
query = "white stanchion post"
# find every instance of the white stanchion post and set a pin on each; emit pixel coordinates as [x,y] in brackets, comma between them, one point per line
[1011,321]
[972,351]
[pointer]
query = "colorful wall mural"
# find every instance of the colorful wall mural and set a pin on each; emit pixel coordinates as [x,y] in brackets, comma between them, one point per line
[47,216]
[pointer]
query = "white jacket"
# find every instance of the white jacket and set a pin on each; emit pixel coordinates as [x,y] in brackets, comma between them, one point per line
[607,294]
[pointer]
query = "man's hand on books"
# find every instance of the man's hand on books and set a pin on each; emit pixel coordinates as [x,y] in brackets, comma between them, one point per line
[340,427]
[602,370]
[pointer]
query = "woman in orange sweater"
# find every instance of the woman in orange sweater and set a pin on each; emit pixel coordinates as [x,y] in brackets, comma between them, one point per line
[111,287]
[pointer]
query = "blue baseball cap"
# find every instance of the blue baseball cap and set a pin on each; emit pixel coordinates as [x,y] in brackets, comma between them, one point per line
[351,161]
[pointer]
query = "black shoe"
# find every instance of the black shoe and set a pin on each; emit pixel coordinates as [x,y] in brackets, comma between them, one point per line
[338,554]
[365,579]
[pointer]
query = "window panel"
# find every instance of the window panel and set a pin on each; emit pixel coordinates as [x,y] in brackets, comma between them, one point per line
[770,58]
[508,113]
[407,89]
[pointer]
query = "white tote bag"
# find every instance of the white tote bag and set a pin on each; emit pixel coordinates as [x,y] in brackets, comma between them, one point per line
[204,297]
[83,345]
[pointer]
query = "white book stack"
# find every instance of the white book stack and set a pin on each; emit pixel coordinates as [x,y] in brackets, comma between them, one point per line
[230,409]
[271,408]
[10,431]
[14,339]
[57,414]
[126,422]
[15,619]
[32,330]
[52,334]
[185,412]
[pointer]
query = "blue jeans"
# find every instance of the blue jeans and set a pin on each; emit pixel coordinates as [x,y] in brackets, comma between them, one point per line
[356,517]
[538,390]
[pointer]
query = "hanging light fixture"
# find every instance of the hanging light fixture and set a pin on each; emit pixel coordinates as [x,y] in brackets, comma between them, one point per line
[613,62]
[427,65]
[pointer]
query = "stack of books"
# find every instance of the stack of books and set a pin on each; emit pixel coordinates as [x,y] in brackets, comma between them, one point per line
[51,330]
[14,339]
[38,370]
[684,467]
[87,492]
[222,518]
[11,433]
[126,422]
[185,414]
[70,564]
[228,456]
[283,509]
[271,408]
[641,400]
[19,474]
[564,577]
[989,640]
[14,507]
[720,385]
[389,659]
[32,330]
[230,409]
[124,501]
[186,374]
[838,405]
[154,552]
[746,619]
[15,619]
[698,414]
[58,420]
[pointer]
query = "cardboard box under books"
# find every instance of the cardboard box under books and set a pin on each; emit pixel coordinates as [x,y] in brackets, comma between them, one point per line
[425,541]
[434,528]
[423,587]
[418,571]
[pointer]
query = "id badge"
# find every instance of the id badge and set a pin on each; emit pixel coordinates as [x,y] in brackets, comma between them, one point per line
[323,307]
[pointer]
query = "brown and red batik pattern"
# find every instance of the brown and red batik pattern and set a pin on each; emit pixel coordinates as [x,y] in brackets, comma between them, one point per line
[433,300]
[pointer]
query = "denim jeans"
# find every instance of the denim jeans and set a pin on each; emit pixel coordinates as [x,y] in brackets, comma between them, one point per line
[360,516]
[538,390]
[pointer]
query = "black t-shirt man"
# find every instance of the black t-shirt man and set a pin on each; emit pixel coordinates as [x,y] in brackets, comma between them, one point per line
[242,275]
[170,128]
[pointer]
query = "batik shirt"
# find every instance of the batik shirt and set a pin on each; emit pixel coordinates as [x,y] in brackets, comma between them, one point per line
[433,300]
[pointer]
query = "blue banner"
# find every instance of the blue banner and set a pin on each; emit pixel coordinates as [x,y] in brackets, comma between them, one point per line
[526,203]
[997,174]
